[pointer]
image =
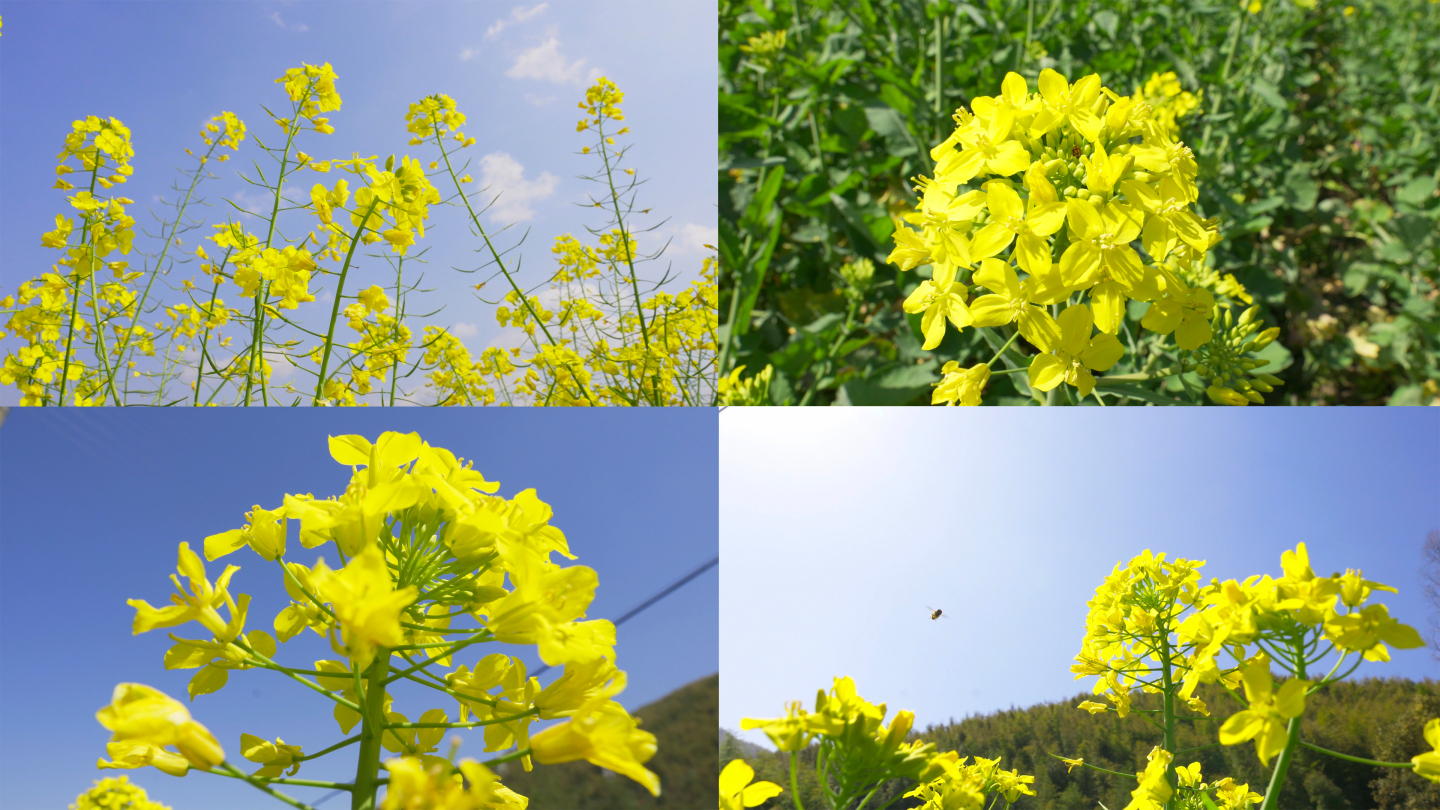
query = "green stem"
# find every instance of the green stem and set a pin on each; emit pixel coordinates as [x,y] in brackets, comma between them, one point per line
[101,352]
[69,340]
[1360,760]
[1007,345]
[1292,739]
[205,339]
[794,785]
[230,770]
[373,719]
[629,260]
[1168,689]
[160,262]
[335,308]
[495,254]
[335,747]
[263,293]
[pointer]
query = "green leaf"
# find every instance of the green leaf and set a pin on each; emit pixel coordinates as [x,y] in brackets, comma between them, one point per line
[764,199]
[1280,357]
[1407,395]
[751,163]
[1417,191]
[856,220]
[1269,92]
[1134,391]
[900,385]
[1107,21]
[892,96]
[1301,189]
[889,124]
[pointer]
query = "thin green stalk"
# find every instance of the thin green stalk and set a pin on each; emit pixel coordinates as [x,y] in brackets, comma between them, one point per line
[794,784]
[1168,690]
[1224,79]
[230,770]
[160,262]
[75,304]
[1360,760]
[262,295]
[368,770]
[69,339]
[510,757]
[830,354]
[205,339]
[495,254]
[335,308]
[1292,739]
[625,240]
[939,75]
[100,341]
[1007,345]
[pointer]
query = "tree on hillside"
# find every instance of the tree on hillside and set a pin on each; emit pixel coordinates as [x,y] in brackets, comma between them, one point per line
[1430,574]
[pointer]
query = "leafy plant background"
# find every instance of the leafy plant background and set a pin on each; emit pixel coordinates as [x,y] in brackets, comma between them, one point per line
[1316,139]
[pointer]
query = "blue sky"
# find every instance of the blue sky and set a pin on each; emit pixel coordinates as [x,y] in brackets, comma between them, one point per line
[840,528]
[94,504]
[517,71]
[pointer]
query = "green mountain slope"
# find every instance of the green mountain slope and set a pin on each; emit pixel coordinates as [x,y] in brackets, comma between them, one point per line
[1374,718]
[683,723]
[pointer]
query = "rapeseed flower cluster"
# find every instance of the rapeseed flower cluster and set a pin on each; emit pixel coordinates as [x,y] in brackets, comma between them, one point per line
[1154,626]
[611,345]
[851,730]
[421,540]
[116,794]
[86,339]
[1063,205]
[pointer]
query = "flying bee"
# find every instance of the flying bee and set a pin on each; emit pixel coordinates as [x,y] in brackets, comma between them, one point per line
[935,613]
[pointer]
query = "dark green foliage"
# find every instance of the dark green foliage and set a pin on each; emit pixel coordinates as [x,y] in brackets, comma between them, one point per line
[1373,718]
[1317,141]
[683,723]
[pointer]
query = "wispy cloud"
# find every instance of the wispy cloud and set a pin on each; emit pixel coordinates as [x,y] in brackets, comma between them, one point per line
[545,62]
[539,101]
[518,14]
[468,54]
[296,27]
[464,330]
[693,238]
[506,177]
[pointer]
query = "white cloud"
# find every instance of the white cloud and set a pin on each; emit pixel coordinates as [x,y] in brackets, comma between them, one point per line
[260,203]
[694,238]
[539,101]
[545,62]
[296,27]
[506,177]
[281,369]
[518,14]
[507,339]
[464,330]
[467,54]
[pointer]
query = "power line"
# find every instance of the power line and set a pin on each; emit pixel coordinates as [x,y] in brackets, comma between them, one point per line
[666,591]
[669,589]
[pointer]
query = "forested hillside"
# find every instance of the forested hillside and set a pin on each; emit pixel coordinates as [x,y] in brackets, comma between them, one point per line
[682,723]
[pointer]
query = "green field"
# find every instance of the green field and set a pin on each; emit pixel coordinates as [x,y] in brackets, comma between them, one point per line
[1315,130]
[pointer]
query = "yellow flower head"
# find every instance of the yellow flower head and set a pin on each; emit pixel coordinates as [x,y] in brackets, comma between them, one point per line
[604,734]
[737,793]
[146,722]
[365,601]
